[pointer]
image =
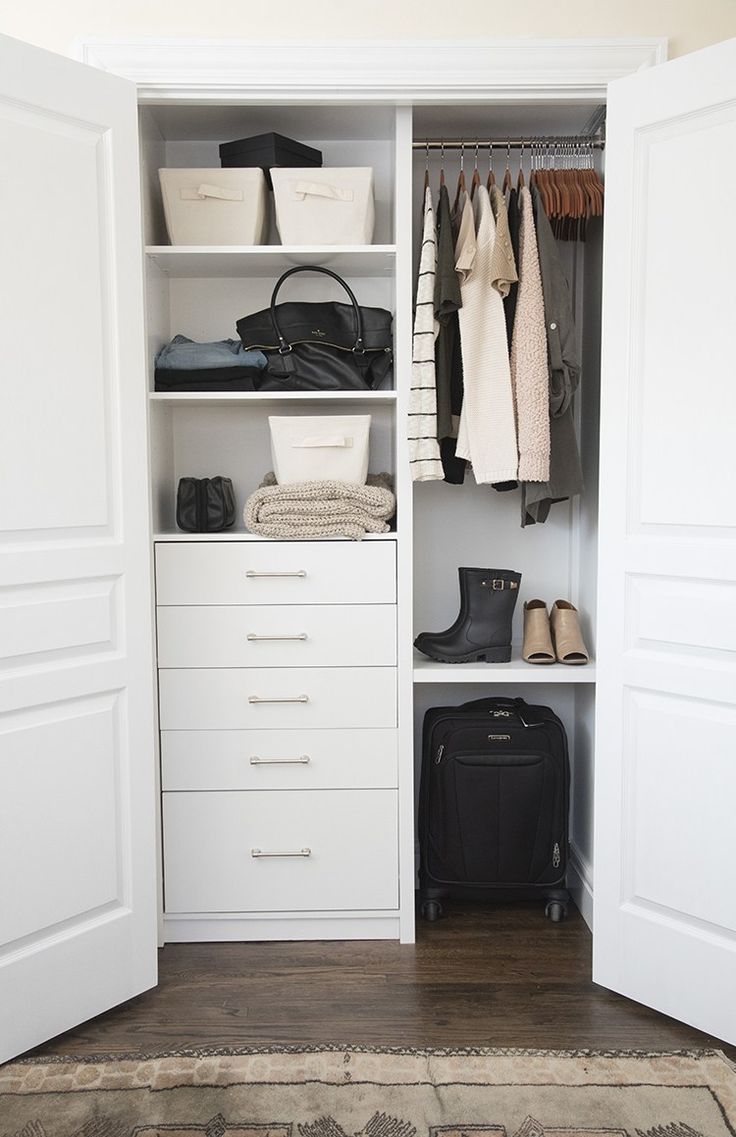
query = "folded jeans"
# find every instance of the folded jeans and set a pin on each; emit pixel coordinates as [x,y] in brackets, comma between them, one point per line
[208,379]
[183,354]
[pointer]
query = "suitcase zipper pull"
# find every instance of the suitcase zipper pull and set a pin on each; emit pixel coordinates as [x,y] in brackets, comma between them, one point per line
[440,752]
[556,858]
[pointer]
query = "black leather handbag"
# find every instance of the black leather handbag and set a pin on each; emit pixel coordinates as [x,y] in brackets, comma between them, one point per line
[320,347]
[205,505]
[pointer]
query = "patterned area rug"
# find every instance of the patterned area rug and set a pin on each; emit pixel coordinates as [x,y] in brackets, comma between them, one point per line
[336,1091]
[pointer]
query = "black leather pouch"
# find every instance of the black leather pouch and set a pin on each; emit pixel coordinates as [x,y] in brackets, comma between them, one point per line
[205,505]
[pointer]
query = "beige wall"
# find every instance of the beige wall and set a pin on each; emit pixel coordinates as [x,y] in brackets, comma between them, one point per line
[59,24]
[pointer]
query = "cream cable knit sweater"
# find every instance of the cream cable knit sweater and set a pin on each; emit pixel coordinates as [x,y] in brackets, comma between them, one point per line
[529,372]
[424,450]
[487,435]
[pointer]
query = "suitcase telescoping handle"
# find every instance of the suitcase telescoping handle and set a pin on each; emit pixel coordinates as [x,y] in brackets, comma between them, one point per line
[515,706]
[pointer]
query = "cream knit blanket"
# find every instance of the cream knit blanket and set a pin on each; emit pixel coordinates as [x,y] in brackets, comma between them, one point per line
[320,509]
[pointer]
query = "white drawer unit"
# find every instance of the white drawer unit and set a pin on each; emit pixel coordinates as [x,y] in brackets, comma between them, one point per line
[238,698]
[278,712]
[278,572]
[339,635]
[279,759]
[280,852]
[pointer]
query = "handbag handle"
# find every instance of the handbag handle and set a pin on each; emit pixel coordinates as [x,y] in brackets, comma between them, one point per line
[284,347]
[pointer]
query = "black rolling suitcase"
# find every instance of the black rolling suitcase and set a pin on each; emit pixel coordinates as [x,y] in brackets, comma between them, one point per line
[493,805]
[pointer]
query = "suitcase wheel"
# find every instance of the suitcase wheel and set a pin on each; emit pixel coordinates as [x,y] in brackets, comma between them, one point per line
[556,911]
[431,910]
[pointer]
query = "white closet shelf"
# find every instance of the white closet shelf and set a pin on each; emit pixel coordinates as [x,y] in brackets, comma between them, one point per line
[268,398]
[270,260]
[244,535]
[429,671]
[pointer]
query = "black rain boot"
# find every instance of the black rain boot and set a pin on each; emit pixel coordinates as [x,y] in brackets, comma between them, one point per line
[482,631]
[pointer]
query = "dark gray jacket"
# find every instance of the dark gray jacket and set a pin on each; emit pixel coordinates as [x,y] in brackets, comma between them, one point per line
[563,357]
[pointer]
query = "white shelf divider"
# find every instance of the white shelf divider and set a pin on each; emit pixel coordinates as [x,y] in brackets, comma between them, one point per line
[268,398]
[269,260]
[243,535]
[430,671]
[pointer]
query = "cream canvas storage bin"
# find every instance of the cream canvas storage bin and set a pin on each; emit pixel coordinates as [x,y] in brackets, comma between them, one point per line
[324,207]
[320,448]
[215,207]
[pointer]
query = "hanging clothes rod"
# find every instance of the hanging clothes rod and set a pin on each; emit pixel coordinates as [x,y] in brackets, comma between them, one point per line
[508,143]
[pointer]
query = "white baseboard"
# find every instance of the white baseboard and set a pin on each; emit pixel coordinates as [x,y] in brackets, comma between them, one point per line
[195,928]
[580,884]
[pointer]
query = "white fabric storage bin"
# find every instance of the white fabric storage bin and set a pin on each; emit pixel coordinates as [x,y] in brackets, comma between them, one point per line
[320,448]
[324,206]
[215,207]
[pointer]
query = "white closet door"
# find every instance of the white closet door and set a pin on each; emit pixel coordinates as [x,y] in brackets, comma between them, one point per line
[77,823]
[665,848]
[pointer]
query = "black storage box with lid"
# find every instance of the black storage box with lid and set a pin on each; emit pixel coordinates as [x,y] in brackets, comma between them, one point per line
[266,150]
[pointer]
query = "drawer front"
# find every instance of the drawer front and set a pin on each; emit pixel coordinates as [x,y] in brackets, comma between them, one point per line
[278,759]
[289,635]
[279,572]
[286,697]
[342,843]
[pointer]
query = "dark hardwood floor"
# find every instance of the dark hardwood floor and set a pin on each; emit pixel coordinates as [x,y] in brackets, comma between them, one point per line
[500,976]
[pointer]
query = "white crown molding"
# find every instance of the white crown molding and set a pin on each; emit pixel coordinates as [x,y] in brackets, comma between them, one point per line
[372,71]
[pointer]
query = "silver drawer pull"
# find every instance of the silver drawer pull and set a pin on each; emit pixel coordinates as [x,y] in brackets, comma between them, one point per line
[296,853]
[279,699]
[253,574]
[260,639]
[302,760]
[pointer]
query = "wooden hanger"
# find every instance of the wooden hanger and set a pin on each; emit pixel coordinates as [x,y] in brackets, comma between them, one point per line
[595,186]
[461,187]
[475,182]
[541,181]
[507,172]
[550,184]
[491,176]
[537,175]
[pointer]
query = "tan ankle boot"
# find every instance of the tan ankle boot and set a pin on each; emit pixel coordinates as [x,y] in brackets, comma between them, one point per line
[569,645]
[537,639]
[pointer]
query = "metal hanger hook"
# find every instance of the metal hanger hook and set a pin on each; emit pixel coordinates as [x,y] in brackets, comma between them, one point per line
[462,154]
[490,155]
[427,155]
